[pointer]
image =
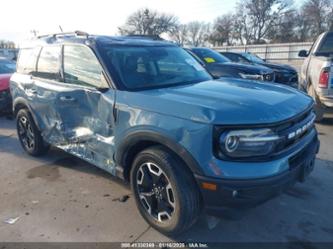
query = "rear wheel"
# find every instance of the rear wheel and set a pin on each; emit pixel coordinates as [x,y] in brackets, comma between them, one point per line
[29,135]
[317,107]
[165,192]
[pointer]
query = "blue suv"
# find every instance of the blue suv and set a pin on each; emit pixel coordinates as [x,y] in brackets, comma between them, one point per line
[146,111]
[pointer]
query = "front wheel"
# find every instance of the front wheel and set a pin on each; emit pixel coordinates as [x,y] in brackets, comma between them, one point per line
[165,191]
[29,135]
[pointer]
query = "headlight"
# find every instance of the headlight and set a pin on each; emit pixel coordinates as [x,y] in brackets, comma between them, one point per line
[248,143]
[251,76]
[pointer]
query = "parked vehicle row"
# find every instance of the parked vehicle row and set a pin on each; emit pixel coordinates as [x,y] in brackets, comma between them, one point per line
[244,65]
[148,112]
[283,74]
[317,73]
[220,66]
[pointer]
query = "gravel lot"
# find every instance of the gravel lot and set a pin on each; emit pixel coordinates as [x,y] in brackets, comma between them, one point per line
[60,198]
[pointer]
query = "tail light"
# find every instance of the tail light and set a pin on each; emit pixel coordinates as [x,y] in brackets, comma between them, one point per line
[324,77]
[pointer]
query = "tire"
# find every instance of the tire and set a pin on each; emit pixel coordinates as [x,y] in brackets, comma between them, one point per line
[318,109]
[180,196]
[29,135]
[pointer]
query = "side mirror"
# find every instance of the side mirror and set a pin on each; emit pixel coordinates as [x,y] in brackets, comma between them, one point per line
[303,53]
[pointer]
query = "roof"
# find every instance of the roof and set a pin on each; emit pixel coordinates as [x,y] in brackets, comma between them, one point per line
[229,52]
[79,37]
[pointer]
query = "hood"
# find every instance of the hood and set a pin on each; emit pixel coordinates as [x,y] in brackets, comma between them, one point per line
[4,81]
[246,68]
[224,101]
[279,67]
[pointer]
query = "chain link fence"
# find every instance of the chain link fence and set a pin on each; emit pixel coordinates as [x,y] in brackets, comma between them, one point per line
[286,53]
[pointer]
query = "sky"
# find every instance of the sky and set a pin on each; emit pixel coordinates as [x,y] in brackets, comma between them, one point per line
[19,17]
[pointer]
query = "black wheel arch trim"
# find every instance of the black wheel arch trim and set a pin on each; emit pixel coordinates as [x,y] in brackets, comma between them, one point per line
[136,137]
[23,102]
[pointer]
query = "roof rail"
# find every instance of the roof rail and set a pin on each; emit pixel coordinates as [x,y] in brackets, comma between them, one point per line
[150,37]
[76,33]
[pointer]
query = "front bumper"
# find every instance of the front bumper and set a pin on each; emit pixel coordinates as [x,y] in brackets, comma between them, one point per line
[327,101]
[5,101]
[287,78]
[242,194]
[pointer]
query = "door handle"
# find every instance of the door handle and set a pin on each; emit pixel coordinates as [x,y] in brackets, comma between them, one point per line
[31,91]
[67,99]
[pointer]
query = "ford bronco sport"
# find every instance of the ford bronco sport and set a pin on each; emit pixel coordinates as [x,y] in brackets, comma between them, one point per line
[146,111]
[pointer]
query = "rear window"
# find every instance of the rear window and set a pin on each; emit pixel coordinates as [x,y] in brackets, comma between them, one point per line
[26,62]
[48,66]
[327,45]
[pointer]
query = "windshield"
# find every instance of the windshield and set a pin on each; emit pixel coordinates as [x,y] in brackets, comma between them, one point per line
[141,67]
[253,58]
[7,67]
[209,56]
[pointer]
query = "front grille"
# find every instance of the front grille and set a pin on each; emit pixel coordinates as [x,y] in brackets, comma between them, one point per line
[298,158]
[293,131]
[286,78]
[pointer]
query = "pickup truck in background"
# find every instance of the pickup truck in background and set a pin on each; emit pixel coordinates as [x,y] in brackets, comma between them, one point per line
[316,77]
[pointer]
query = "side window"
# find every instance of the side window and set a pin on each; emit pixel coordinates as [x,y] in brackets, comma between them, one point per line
[48,63]
[327,44]
[81,67]
[26,63]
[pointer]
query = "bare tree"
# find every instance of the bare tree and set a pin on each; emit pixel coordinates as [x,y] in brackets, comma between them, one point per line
[149,22]
[222,30]
[256,18]
[197,33]
[330,18]
[242,27]
[317,15]
[303,25]
[240,31]
[285,28]
[254,21]
[179,35]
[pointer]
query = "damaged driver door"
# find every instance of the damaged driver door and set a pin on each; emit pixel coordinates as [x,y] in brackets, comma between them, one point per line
[86,108]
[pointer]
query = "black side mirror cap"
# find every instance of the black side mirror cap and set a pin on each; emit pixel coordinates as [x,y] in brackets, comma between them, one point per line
[303,53]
